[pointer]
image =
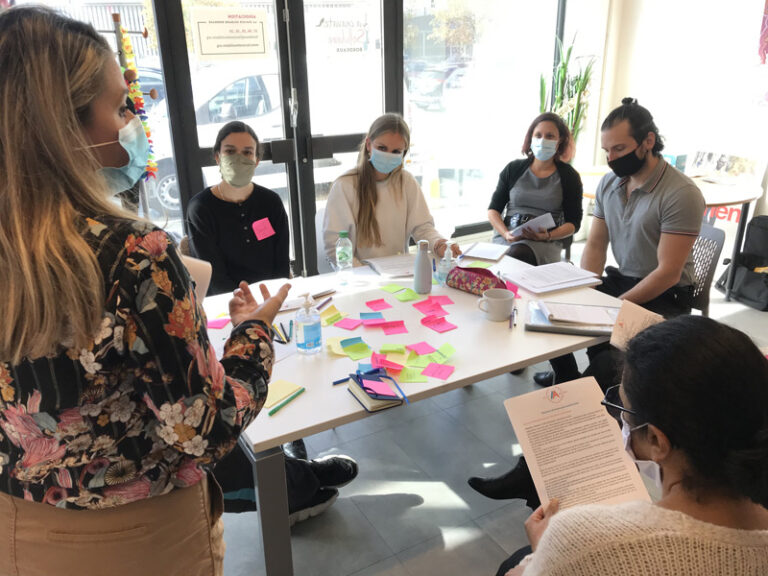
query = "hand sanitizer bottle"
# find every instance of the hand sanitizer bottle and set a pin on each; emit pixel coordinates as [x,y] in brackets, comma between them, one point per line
[445,265]
[422,275]
[309,339]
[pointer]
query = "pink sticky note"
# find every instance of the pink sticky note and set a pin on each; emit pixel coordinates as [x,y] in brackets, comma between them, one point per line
[348,323]
[380,388]
[263,228]
[437,323]
[440,299]
[380,361]
[374,322]
[430,308]
[377,305]
[394,327]
[218,323]
[421,348]
[512,288]
[442,371]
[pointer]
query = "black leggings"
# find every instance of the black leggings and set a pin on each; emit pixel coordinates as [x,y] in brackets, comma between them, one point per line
[513,560]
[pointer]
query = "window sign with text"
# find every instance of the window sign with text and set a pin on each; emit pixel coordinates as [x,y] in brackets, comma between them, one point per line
[229,33]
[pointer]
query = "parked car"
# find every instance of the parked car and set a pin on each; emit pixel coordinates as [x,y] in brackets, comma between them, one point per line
[428,87]
[221,93]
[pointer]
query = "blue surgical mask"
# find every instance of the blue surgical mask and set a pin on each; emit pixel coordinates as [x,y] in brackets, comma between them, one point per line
[134,140]
[385,162]
[649,470]
[543,149]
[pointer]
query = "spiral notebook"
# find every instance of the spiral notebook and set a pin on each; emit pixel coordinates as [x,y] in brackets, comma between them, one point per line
[538,321]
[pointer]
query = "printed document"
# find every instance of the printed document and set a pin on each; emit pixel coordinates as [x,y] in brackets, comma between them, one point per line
[549,277]
[573,446]
[401,265]
[486,251]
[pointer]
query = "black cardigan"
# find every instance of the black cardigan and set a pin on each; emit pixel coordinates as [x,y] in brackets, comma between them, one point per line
[569,179]
[220,233]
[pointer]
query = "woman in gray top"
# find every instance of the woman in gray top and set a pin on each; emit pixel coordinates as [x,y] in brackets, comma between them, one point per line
[533,186]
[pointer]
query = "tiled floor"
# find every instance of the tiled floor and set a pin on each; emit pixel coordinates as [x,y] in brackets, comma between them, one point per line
[411,512]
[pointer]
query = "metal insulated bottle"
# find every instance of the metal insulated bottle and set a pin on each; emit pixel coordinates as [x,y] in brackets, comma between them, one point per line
[422,275]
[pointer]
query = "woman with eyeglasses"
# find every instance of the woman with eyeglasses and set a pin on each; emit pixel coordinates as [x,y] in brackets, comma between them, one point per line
[379,203]
[693,406]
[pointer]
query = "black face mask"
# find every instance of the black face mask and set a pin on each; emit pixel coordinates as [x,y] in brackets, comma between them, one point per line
[626,165]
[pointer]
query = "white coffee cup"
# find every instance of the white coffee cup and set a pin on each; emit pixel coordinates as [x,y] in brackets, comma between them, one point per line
[497,303]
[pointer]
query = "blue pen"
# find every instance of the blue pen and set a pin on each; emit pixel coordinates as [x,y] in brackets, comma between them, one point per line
[290,331]
[341,381]
[434,268]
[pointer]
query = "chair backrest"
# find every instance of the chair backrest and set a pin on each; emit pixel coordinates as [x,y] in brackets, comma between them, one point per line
[322,262]
[706,254]
[201,272]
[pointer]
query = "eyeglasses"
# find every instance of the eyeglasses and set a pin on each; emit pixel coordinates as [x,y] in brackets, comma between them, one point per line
[614,405]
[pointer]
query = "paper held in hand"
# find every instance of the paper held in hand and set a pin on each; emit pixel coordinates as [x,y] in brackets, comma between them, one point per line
[398,266]
[550,277]
[632,319]
[544,221]
[573,446]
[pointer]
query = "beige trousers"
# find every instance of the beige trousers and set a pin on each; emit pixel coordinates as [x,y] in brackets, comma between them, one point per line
[176,534]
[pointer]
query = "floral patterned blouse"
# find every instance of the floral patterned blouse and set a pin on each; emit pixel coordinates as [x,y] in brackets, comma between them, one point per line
[147,407]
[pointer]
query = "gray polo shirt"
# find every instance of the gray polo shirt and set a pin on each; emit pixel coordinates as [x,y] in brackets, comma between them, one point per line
[668,202]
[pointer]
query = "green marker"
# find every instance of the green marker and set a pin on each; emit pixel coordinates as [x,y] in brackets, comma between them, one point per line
[286,401]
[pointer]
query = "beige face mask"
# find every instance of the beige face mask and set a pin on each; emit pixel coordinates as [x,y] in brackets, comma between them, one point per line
[236,169]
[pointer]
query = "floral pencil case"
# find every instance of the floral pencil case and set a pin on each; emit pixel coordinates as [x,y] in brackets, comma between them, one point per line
[474,280]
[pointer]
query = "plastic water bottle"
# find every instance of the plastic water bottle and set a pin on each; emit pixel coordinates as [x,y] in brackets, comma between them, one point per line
[309,339]
[344,253]
[445,265]
[422,275]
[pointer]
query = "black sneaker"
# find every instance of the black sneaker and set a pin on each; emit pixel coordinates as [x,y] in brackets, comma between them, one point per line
[334,471]
[323,499]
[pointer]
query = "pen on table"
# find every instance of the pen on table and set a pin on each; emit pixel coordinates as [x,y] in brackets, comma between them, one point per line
[276,334]
[514,316]
[285,333]
[290,330]
[324,302]
[286,401]
[434,268]
[340,381]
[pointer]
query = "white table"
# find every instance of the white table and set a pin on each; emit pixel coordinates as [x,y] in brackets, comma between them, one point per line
[483,349]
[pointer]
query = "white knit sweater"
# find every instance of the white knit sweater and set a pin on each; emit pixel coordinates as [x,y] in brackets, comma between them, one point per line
[638,538]
[400,217]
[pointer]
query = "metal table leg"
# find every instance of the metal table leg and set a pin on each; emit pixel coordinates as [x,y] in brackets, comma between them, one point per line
[736,249]
[272,505]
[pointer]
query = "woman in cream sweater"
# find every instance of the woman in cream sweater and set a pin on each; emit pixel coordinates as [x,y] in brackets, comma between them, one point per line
[694,411]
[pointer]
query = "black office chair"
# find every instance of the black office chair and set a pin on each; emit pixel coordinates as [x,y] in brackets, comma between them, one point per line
[706,253]
[567,247]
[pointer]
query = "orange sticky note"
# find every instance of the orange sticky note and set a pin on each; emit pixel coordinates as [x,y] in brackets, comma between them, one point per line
[263,228]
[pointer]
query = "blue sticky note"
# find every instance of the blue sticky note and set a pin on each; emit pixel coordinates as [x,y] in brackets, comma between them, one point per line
[350,342]
[364,367]
[370,315]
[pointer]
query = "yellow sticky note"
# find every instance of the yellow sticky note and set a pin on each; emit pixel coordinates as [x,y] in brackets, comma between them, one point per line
[279,390]
[479,264]
[330,315]
[401,359]
[334,345]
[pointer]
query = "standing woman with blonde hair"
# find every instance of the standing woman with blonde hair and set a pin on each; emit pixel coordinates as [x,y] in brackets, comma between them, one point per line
[378,202]
[113,407]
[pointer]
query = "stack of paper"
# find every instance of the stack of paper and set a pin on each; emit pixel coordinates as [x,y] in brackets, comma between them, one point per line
[582,319]
[486,251]
[550,277]
[401,265]
[544,221]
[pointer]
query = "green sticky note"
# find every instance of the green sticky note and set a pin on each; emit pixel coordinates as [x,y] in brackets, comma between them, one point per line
[416,361]
[396,348]
[435,282]
[407,295]
[332,319]
[392,288]
[479,264]
[358,351]
[410,374]
[446,350]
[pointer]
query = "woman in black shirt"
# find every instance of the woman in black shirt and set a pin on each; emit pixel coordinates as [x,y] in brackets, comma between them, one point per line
[241,228]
